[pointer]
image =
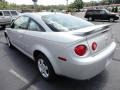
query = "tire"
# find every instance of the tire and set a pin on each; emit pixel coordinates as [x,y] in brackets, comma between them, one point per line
[111,19]
[8,42]
[3,27]
[90,19]
[45,68]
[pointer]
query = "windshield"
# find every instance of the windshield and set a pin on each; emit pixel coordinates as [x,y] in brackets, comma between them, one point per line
[64,22]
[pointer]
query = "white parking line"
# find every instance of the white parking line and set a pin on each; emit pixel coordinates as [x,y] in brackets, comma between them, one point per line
[21,78]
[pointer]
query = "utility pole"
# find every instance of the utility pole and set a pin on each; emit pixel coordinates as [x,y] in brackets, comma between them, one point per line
[15,5]
[66,5]
[35,4]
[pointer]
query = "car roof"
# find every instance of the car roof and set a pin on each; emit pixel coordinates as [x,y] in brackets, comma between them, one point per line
[40,14]
[45,13]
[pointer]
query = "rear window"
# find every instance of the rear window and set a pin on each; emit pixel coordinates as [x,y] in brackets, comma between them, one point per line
[64,22]
[90,12]
[6,13]
[93,12]
[13,13]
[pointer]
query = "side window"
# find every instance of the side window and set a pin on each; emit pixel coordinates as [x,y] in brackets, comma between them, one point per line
[33,26]
[6,13]
[96,12]
[21,23]
[13,13]
[89,13]
[1,13]
[102,12]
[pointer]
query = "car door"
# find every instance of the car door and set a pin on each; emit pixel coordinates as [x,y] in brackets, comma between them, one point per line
[16,32]
[103,15]
[30,35]
[96,14]
[14,14]
[1,17]
[7,17]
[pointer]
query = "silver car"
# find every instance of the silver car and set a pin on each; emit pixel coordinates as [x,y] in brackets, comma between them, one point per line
[6,16]
[62,44]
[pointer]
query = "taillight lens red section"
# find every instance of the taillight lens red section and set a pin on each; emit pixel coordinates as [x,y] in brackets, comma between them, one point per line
[80,50]
[94,46]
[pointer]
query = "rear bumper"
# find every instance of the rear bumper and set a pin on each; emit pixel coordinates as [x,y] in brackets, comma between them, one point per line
[89,67]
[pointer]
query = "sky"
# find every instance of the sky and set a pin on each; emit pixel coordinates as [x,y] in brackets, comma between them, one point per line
[43,2]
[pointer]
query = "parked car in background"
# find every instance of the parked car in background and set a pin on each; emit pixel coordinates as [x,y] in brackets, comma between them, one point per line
[14,14]
[101,14]
[6,16]
[62,44]
[83,10]
[119,12]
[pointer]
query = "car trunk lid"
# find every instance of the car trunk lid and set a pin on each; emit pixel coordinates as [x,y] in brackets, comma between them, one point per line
[97,33]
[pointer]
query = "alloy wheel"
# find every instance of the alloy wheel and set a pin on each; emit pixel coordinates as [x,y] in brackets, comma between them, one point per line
[111,19]
[43,68]
[90,18]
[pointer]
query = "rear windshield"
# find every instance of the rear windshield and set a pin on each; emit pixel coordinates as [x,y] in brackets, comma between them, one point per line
[13,13]
[64,22]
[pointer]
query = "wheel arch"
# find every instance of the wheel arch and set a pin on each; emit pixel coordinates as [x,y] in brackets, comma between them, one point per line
[5,34]
[49,56]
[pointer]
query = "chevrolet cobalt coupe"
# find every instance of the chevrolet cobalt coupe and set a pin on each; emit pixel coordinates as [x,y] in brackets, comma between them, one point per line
[62,44]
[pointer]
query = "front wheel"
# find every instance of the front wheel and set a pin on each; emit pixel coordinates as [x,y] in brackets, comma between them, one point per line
[90,19]
[45,68]
[111,19]
[3,27]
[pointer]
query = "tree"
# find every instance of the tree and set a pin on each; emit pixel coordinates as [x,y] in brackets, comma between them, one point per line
[71,7]
[78,4]
[111,1]
[116,9]
[116,1]
[94,3]
[3,4]
[105,2]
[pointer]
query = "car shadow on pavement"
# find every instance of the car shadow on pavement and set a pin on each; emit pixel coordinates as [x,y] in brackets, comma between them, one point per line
[27,69]
[64,83]
[22,65]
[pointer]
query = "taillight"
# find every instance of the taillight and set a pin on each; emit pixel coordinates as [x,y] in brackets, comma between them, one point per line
[94,46]
[80,50]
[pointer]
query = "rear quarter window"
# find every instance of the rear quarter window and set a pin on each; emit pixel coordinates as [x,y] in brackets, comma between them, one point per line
[89,12]
[97,12]
[93,12]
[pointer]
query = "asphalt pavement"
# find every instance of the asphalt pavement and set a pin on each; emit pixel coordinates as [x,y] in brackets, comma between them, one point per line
[18,72]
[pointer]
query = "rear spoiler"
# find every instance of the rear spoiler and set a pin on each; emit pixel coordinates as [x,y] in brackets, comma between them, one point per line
[101,28]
